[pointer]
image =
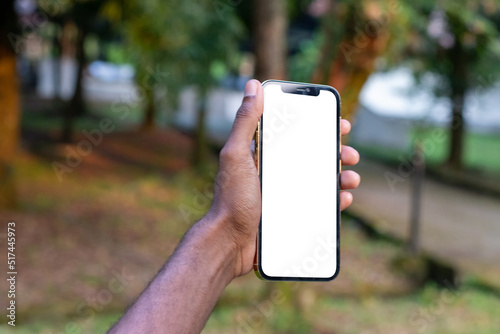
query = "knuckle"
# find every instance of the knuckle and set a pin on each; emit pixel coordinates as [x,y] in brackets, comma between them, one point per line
[242,113]
[246,109]
[232,155]
[229,153]
[225,153]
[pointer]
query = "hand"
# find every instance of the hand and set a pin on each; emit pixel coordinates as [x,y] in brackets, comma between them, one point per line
[237,200]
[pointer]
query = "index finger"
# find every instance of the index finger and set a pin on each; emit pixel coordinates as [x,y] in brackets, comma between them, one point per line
[345,127]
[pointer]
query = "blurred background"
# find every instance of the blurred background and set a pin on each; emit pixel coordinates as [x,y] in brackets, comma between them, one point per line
[113,113]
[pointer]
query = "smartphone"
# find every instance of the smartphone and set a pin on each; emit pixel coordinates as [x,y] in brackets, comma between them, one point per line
[298,151]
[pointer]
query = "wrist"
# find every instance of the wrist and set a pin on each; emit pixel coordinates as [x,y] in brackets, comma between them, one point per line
[221,248]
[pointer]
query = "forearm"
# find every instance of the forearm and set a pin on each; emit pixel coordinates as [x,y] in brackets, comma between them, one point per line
[182,295]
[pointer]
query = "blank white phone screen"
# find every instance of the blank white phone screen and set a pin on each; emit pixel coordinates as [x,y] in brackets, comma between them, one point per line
[299,184]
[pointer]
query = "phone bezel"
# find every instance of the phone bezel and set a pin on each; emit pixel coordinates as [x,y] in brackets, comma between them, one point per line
[315,90]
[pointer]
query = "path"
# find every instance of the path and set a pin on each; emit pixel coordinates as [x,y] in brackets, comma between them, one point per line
[457,225]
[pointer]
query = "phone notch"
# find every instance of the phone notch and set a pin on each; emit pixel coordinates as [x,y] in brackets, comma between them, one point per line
[300,89]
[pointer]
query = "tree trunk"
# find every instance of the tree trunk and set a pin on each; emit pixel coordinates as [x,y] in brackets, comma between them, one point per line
[148,123]
[76,106]
[456,133]
[355,60]
[458,84]
[56,41]
[270,25]
[9,106]
[200,150]
[327,53]
[77,99]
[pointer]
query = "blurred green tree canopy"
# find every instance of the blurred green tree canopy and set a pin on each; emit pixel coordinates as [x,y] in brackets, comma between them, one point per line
[180,40]
[455,40]
[459,42]
[175,44]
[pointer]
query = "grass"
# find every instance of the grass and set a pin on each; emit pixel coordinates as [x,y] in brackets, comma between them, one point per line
[120,211]
[480,149]
[42,118]
[431,310]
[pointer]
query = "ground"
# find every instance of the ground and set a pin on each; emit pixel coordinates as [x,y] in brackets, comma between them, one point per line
[87,246]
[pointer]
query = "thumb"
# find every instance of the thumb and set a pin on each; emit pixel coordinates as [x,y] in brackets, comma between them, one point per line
[248,116]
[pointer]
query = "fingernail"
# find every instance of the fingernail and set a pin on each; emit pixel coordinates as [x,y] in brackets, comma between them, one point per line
[251,88]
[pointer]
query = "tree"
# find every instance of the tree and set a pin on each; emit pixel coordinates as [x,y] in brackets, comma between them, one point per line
[76,105]
[80,13]
[270,32]
[176,44]
[460,45]
[351,48]
[82,16]
[9,97]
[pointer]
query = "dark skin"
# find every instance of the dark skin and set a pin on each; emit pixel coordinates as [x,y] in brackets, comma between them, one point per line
[222,245]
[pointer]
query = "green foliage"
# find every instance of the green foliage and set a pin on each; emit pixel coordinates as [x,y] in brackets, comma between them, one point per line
[301,66]
[441,31]
[116,53]
[179,43]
